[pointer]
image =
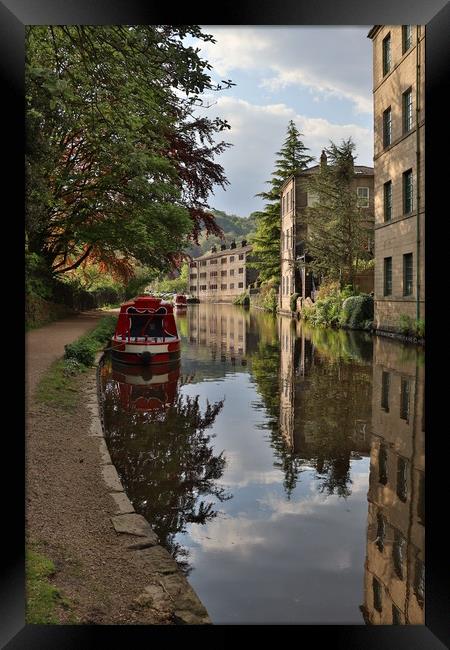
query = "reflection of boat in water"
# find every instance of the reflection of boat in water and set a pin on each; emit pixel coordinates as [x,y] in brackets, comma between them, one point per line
[180,302]
[146,332]
[146,388]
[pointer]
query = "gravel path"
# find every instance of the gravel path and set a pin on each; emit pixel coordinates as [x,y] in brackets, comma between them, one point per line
[68,508]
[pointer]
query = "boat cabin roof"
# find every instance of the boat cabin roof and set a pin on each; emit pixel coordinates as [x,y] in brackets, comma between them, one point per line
[147,302]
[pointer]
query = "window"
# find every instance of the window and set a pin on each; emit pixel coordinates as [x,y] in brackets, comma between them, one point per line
[213,274]
[385,382]
[407,192]
[406,37]
[387,200]
[387,127]
[363,197]
[407,110]
[232,286]
[381,531]
[240,285]
[241,270]
[203,275]
[382,465]
[396,616]
[404,399]
[223,260]
[376,587]
[232,258]
[402,483]
[213,261]
[192,288]
[311,199]
[386,54]
[241,256]
[223,286]
[398,554]
[222,273]
[193,277]
[232,272]
[213,286]
[408,274]
[388,276]
[203,287]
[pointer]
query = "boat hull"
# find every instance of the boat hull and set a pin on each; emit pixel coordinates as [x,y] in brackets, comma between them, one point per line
[144,355]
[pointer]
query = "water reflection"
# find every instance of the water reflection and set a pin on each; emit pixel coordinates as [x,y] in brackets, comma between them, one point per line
[159,442]
[318,437]
[394,568]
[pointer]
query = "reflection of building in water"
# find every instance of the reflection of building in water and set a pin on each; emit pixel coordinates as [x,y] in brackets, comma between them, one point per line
[315,419]
[394,570]
[221,329]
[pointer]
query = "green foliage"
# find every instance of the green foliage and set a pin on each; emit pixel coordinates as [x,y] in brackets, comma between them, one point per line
[117,169]
[172,285]
[327,310]
[82,350]
[234,228]
[38,281]
[243,299]
[293,301]
[292,159]
[337,227]
[357,311]
[409,326]
[42,597]
[270,300]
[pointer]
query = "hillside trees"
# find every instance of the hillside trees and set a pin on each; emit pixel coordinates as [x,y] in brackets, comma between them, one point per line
[338,228]
[118,166]
[292,159]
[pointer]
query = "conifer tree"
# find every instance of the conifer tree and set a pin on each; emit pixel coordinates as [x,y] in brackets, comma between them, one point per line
[292,159]
[338,227]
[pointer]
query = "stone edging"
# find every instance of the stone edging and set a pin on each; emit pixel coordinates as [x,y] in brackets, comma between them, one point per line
[168,589]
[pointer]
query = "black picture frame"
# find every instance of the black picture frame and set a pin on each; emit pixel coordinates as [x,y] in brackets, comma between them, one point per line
[435,14]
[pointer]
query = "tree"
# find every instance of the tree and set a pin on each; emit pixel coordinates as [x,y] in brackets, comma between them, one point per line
[118,165]
[338,228]
[266,243]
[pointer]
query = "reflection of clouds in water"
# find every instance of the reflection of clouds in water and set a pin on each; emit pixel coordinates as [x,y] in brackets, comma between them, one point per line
[224,534]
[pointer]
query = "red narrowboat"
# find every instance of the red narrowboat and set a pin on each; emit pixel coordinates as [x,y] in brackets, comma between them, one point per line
[180,301]
[146,332]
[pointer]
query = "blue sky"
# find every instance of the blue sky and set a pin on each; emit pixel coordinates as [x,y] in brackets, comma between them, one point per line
[320,77]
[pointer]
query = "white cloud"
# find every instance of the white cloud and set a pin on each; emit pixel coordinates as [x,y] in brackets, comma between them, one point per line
[257,132]
[330,61]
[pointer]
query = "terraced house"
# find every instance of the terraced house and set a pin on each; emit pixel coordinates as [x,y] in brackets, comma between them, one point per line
[221,275]
[399,125]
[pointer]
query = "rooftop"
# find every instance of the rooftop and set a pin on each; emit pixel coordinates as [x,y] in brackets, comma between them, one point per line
[227,251]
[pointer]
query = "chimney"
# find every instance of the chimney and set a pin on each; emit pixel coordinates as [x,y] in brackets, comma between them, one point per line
[213,249]
[323,159]
[223,247]
[233,244]
[244,242]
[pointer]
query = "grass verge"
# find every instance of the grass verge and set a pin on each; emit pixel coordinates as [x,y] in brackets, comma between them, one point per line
[43,599]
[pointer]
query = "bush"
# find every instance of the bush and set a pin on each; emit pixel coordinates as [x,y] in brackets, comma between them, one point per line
[411,327]
[293,301]
[83,351]
[270,300]
[357,311]
[242,299]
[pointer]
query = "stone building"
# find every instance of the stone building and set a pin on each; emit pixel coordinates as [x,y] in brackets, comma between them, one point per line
[295,197]
[222,274]
[394,570]
[399,127]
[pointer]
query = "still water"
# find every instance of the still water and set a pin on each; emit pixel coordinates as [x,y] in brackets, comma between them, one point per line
[282,466]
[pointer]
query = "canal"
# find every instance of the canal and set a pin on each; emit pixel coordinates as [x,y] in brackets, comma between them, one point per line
[282,466]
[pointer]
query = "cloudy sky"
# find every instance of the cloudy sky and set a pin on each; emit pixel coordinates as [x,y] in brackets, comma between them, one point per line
[320,77]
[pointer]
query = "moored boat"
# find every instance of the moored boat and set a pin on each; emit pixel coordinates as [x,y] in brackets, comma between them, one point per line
[146,332]
[180,301]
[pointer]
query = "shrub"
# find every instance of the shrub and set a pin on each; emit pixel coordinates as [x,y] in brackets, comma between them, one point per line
[357,311]
[293,300]
[409,326]
[242,299]
[270,300]
[83,351]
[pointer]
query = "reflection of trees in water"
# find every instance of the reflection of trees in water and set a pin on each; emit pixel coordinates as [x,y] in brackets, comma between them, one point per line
[166,462]
[328,402]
